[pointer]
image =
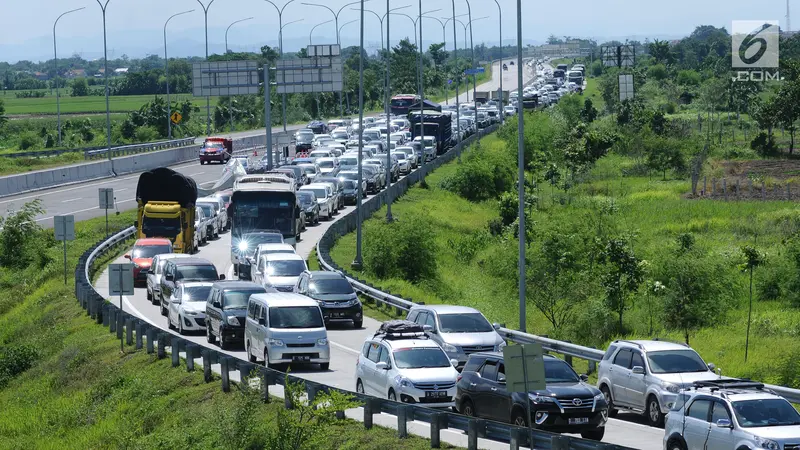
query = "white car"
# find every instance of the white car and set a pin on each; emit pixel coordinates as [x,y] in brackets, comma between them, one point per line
[325,199]
[320,153]
[406,367]
[510,110]
[311,171]
[410,157]
[327,164]
[403,163]
[187,307]
[154,275]
[279,271]
[200,227]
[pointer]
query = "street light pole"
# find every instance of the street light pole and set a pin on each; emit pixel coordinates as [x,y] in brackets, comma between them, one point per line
[338,38]
[386,47]
[280,51]
[466,44]
[55,63]
[230,100]
[389,217]
[208,99]
[502,97]
[455,57]
[346,24]
[166,72]
[103,7]
[472,46]
[314,28]
[421,99]
[521,175]
[358,262]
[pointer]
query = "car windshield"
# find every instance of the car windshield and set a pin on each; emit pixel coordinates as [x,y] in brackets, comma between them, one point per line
[674,361]
[306,198]
[464,323]
[285,268]
[350,184]
[320,193]
[418,358]
[149,251]
[348,161]
[557,371]
[331,286]
[204,272]
[237,298]
[399,155]
[207,209]
[309,170]
[326,164]
[349,175]
[768,412]
[295,317]
[196,293]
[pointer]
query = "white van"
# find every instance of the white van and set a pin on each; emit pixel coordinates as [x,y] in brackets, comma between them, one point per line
[286,328]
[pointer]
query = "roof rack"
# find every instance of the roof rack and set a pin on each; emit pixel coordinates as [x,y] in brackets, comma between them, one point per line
[631,343]
[729,383]
[400,329]
[682,344]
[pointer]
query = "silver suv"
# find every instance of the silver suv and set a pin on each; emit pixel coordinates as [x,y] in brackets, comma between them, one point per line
[646,376]
[731,414]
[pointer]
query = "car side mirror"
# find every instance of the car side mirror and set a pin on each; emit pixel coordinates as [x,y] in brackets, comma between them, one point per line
[454,362]
[127,256]
[724,423]
[382,366]
[262,321]
[169,277]
[428,329]
[584,377]
[497,326]
[501,378]
[712,367]
[638,370]
[216,304]
[222,276]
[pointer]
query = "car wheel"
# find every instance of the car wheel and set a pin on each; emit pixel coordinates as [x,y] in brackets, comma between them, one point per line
[210,338]
[222,344]
[359,387]
[518,418]
[154,299]
[675,444]
[325,366]
[654,415]
[163,310]
[595,435]
[468,409]
[607,394]
[169,323]
[181,331]
[266,360]
[149,295]
[250,356]
[357,324]
[392,395]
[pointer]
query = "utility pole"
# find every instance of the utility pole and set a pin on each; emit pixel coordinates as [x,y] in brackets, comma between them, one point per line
[166,73]
[55,63]
[208,99]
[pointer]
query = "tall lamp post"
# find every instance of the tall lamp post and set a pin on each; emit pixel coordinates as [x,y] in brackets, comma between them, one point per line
[103,7]
[346,24]
[521,174]
[229,29]
[208,99]
[386,47]
[502,97]
[338,40]
[166,72]
[454,19]
[280,50]
[358,261]
[55,63]
[455,57]
[310,33]
[472,46]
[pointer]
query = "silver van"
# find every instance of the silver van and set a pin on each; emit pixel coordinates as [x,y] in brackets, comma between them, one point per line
[286,328]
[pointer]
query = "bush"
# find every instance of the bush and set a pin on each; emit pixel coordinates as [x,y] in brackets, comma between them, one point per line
[29,140]
[657,72]
[482,176]
[146,134]
[764,145]
[402,249]
[79,87]
[509,207]
[14,361]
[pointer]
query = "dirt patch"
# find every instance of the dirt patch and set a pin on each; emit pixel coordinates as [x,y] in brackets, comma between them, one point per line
[783,169]
[751,180]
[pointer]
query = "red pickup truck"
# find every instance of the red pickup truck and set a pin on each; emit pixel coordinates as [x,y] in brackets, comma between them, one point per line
[216,149]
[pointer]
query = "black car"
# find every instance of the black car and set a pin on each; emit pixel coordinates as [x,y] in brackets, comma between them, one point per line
[308,202]
[335,296]
[567,405]
[184,270]
[350,193]
[226,310]
[304,142]
[339,187]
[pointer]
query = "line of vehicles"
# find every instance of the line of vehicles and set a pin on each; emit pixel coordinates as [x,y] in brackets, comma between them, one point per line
[551,84]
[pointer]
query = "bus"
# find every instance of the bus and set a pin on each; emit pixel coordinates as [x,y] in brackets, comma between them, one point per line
[401,103]
[265,202]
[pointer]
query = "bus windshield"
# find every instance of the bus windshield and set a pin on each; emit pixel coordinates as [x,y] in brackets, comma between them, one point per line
[254,211]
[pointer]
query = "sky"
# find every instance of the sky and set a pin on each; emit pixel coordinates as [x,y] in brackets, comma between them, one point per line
[135,27]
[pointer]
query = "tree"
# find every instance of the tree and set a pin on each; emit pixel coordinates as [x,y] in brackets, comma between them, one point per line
[663,155]
[18,232]
[788,109]
[624,274]
[3,118]
[589,112]
[752,259]
[79,87]
[404,58]
[439,54]
[660,51]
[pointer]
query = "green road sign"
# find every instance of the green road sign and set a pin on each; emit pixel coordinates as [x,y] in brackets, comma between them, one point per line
[524,367]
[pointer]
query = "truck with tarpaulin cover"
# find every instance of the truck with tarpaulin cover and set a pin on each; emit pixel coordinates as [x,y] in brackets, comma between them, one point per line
[166,208]
[432,123]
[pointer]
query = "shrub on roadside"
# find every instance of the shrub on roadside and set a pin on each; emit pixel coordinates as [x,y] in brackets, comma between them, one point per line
[29,140]
[405,248]
[483,175]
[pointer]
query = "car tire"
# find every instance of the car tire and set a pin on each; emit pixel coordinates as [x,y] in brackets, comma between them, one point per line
[222,344]
[594,435]
[676,444]
[325,366]
[392,396]
[359,387]
[181,331]
[357,324]
[518,418]
[154,300]
[149,295]
[250,357]
[467,408]
[653,412]
[169,323]
[266,360]
[607,394]
[163,310]
[210,338]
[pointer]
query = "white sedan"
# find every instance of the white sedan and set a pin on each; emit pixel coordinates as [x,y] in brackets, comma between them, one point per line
[187,307]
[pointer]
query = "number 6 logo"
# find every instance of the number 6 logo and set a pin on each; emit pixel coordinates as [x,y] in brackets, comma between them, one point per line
[749,41]
[754,44]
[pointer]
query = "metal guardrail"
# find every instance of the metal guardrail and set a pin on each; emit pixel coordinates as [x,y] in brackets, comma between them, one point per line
[91,152]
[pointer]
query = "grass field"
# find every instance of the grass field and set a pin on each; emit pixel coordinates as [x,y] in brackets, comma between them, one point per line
[85,105]
[656,211]
[65,384]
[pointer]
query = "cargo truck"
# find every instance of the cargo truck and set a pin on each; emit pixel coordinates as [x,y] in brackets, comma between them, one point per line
[433,123]
[216,149]
[166,208]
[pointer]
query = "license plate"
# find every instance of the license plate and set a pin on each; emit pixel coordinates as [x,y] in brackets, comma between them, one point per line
[436,394]
[301,358]
[578,420]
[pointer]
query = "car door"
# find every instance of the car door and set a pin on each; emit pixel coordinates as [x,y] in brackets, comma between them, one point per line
[215,311]
[637,387]
[382,377]
[167,285]
[259,331]
[485,390]
[172,307]
[696,423]
[618,372]
[368,366]
[720,438]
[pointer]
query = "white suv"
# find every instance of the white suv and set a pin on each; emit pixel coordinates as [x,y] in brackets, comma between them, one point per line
[400,363]
[731,415]
[646,376]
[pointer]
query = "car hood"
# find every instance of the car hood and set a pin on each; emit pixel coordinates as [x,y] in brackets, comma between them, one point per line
[143,262]
[784,432]
[322,201]
[333,297]
[298,335]
[578,389]
[688,378]
[282,281]
[198,307]
[472,339]
[326,170]
[431,375]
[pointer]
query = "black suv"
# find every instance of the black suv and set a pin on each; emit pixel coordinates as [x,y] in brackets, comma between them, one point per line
[226,311]
[567,405]
[184,270]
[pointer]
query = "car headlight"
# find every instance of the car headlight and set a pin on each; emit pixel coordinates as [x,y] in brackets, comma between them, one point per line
[599,397]
[450,348]
[275,343]
[402,381]
[766,443]
[242,246]
[501,345]
[541,398]
[354,302]
[232,320]
[323,341]
[190,313]
[669,387]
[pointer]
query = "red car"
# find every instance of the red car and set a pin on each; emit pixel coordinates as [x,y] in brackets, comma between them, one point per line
[216,149]
[142,256]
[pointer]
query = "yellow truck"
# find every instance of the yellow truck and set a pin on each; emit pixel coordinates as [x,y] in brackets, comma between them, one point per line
[166,201]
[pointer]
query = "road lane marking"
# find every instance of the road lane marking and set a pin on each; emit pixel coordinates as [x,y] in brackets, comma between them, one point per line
[84,210]
[194,174]
[72,200]
[345,348]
